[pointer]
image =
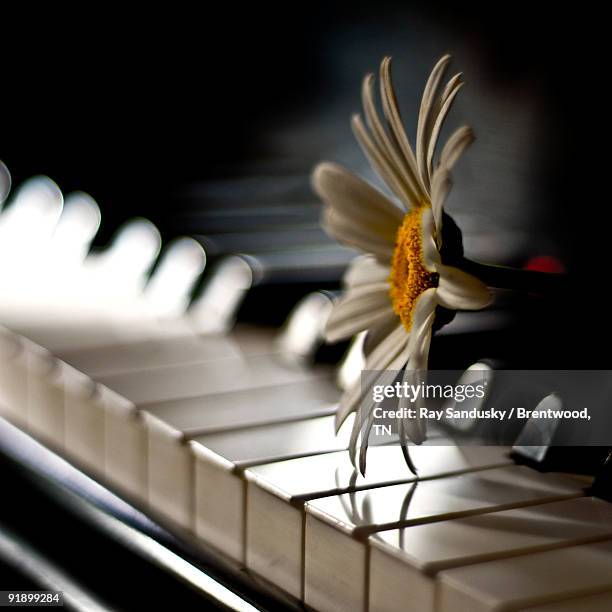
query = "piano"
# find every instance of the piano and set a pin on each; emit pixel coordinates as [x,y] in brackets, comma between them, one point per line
[157,427]
[166,397]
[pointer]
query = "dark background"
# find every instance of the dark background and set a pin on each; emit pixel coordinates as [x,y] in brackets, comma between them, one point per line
[143,108]
[132,105]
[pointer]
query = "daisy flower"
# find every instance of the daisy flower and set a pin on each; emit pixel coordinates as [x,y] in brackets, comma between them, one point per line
[394,291]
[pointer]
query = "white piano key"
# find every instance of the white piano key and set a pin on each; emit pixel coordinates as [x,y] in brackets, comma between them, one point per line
[45,395]
[304,328]
[125,446]
[284,364]
[336,550]
[168,343]
[78,329]
[277,493]
[353,363]
[75,230]
[171,424]
[253,339]
[103,303]
[168,291]
[220,460]
[191,380]
[184,387]
[256,340]
[149,353]
[520,582]
[187,382]
[111,348]
[404,562]
[215,309]
[86,403]
[28,223]
[169,473]
[73,327]
[121,270]
[230,410]
[601,602]
[13,394]
[26,227]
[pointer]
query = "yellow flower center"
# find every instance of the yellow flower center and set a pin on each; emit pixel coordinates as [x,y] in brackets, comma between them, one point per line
[409,277]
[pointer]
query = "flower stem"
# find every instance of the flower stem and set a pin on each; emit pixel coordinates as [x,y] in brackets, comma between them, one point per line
[515,279]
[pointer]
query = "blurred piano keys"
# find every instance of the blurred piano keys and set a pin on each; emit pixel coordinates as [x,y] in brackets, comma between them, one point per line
[13,391]
[252,199]
[113,359]
[273,218]
[187,398]
[215,376]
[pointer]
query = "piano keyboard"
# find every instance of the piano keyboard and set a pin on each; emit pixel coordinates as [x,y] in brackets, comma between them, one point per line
[224,435]
[279,493]
[529,580]
[337,527]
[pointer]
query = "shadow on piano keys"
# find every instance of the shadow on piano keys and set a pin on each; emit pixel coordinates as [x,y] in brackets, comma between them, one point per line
[217,438]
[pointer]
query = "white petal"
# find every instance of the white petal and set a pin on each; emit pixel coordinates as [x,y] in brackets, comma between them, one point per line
[385,144]
[431,255]
[457,143]
[404,446]
[367,424]
[458,290]
[366,405]
[416,372]
[428,103]
[419,349]
[452,84]
[441,184]
[445,103]
[416,369]
[418,353]
[383,166]
[365,411]
[347,232]
[377,333]
[394,120]
[390,354]
[415,429]
[422,319]
[357,311]
[355,431]
[350,194]
[392,346]
[365,270]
